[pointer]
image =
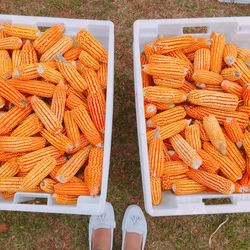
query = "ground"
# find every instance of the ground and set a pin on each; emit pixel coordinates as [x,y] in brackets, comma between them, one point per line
[46,231]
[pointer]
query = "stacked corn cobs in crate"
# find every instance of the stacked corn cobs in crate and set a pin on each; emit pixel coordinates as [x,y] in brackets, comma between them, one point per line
[52,94]
[197,106]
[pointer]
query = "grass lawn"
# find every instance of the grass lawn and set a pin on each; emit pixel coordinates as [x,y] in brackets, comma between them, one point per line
[46,231]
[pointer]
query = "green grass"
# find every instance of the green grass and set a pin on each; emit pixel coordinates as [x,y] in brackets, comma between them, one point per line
[49,231]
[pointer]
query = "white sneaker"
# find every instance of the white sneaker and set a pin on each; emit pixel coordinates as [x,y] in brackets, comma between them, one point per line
[134,221]
[104,220]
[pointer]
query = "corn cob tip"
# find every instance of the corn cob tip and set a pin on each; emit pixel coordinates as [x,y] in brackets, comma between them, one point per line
[149,124]
[171,152]
[237,73]
[232,189]
[73,63]
[222,148]
[186,71]
[16,73]
[59,57]
[24,103]
[20,42]
[38,33]
[60,178]
[170,105]
[239,144]
[157,134]
[99,145]
[230,60]
[248,86]
[200,85]
[27,41]
[40,69]
[196,163]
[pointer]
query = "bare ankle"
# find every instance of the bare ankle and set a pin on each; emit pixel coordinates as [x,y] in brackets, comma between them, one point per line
[133,241]
[101,239]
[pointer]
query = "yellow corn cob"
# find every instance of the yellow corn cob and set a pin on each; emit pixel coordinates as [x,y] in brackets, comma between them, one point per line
[93,172]
[102,74]
[168,181]
[13,95]
[163,106]
[245,71]
[213,181]
[16,58]
[60,141]
[221,115]
[47,117]
[71,74]
[48,38]
[50,74]
[74,101]
[83,143]
[84,122]
[148,50]
[9,168]
[230,54]
[174,71]
[207,77]
[243,54]
[201,42]
[8,195]
[156,193]
[72,129]
[192,136]
[202,59]
[187,87]
[65,199]
[167,82]
[61,46]
[89,43]
[21,144]
[185,151]
[167,117]
[72,54]
[169,130]
[164,95]
[231,74]
[5,65]
[5,156]
[72,188]
[33,87]
[47,185]
[209,163]
[246,142]
[171,168]
[166,45]
[10,184]
[215,133]
[244,109]
[38,173]
[232,87]
[88,60]
[182,187]
[246,95]
[22,31]
[234,131]
[28,54]
[228,168]
[155,155]
[217,49]
[26,72]
[208,98]
[10,43]
[150,110]
[203,134]
[30,126]
[170,60]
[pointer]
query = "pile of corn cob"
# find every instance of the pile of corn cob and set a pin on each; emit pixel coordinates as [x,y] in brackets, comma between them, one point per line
[52,116]
[197,106]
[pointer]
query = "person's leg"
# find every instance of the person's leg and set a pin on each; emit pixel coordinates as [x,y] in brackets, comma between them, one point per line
[133,241]
[101,239]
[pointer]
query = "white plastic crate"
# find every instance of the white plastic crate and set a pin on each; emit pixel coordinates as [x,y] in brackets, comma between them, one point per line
[235,1]
[237,30]
[104,32]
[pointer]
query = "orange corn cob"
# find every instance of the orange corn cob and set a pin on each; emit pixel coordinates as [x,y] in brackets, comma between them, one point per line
[71,74]
[9,168]
[8,195]
[83,143]
[165,153]
[10,43]
[47,117]
[26,72]
[61,160]
[166,45]
[80,95]
[81,67]
[73,188]
[167,82]
[243,54]
[5,65]
[215,133]
[207,77]
[48,38]
[28,54]
[228,168]
[72,54]
[213,88]
[190,56]
[156,193]
[61,46]
[171,60]
[213,181]
[234,131]
[209,163]
[33,87]
[38,173]
[47,185]
[148,50]
[246,95]
[102,74]
[16,58]
[201,42]
[11,94]
[65,199]
[22,31]
[74,101]
[30,126]
[203,134]
[244,179]
[192,136]
[52,174]
[50,74]
[187,87]
[248,165]
[84,122]
[58,101]
[202,59]
[221,115]
[231,74]
[150,110]
[164,94]
[187,187]
[60,141]
[232,87]
[89,43]
[93,172]
[168,181]
[217,49]
[21,144]
[166,117]
[185,151]
[10,184]
[246,142]
[169,130]
[174,168]
[72,129]
[146,79]
[5,156]
[244,109]
[230,54]
[245,71]
[75,179]
[163,106]
[88,60]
